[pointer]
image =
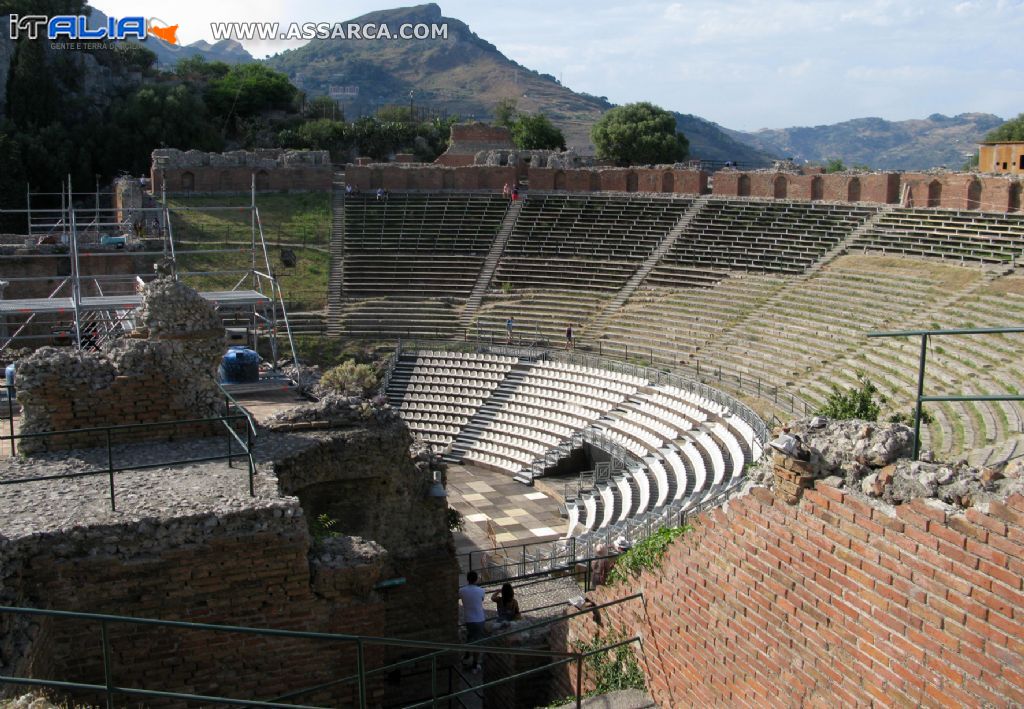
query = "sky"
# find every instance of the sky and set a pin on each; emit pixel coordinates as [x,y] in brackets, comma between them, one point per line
[746,64]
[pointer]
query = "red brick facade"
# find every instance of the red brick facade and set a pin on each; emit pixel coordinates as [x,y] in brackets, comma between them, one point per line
[831,602]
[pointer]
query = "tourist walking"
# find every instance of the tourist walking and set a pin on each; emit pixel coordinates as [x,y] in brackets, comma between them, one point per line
[509,325]
[568,337]
[506,192]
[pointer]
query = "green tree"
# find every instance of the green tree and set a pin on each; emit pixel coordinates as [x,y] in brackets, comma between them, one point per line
[835,165]
[248,89]
[1011,131]
[536,132]
[639,133]
[324,107]
[505,112]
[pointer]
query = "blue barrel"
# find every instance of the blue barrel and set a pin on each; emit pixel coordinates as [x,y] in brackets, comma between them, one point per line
[240,365]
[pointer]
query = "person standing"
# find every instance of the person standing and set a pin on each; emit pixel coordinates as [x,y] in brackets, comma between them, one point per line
[472,597]
[515,192]
[568,337]
[505,191]
[509,325]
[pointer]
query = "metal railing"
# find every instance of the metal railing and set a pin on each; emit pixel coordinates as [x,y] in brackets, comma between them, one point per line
[359,643]
[107,433]
[563,555]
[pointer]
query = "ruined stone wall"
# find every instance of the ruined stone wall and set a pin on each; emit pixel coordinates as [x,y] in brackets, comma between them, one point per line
[833,601]
[246,561]
[904,589]
[468,139]
[946,190]
[274,170]
[429,178]
[170,375]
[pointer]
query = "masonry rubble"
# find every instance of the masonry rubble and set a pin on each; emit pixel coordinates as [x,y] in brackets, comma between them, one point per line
[872,460]
[264,157]
[332,411]
[170,359]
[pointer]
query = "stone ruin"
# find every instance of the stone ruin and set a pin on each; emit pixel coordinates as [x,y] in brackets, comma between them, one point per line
[264,157]
[873,461]
[553,159]
[165,370]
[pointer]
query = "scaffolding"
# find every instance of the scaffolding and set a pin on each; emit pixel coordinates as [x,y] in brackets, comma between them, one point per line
[88,273]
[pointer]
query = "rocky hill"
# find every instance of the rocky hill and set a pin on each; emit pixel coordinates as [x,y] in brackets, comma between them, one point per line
[464,75]
[916,144]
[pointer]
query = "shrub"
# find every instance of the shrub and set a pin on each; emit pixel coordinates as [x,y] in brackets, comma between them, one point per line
[857,402]
[350,379]
[647,554]
[455,522]
[614,669]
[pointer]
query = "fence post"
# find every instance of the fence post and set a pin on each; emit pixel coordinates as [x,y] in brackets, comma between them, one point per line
[579,680]
[361,672]
[10,416]
[110,471]
[248,450]
[108,675]
[433,680]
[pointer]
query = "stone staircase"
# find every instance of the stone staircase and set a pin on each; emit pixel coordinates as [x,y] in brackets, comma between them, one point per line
[843,246]
[336,279]
[487,412]
[637,278]
[491,262]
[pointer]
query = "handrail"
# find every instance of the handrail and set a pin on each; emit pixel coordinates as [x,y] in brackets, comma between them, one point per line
[110,469]
[360,641]
[478,645]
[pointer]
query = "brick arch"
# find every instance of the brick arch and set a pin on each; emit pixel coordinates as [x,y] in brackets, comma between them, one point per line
[560,180]
[853,190]
[188,181]
[743,186]
[934,193]
[974,195]
[632,182]
[262,180]
[817,188]
[668,181]
[1014,201]
[780,186]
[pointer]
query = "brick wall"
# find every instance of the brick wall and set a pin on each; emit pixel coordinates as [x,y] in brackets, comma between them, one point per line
[832,602]
[243,567]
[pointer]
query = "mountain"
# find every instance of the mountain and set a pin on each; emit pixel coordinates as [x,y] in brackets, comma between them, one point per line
[916,144]
[463,75]
[226,50]
[167,54]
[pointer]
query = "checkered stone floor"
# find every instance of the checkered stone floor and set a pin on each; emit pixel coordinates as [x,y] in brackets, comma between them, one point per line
[492,502]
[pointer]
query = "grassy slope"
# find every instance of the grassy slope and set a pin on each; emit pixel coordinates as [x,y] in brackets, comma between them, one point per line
[297,221]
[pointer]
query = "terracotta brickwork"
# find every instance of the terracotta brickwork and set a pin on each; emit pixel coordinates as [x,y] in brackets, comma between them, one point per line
[272,170]
[831,602]
[254,566]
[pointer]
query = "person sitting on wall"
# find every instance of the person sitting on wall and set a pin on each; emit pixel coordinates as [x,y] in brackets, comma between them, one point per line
[508,606]
[348,189]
